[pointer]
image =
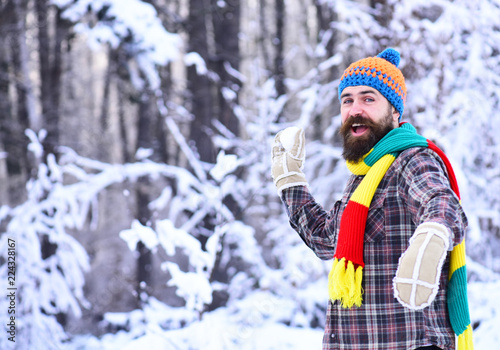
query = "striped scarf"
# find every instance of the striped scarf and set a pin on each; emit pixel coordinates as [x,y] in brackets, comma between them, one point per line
[344,280]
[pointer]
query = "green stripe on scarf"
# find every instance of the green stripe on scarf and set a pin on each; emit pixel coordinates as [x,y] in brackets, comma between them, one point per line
[344,280]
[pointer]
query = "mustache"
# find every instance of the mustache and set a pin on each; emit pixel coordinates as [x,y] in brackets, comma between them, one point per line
[346,127]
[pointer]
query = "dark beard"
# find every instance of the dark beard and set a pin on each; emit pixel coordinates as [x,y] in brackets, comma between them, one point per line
[356,147]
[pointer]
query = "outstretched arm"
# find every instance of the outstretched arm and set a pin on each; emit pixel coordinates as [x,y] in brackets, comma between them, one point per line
[441,224]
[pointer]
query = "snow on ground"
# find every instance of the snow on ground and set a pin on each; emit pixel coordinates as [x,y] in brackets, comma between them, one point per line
[255,322]
[485,308]
[252,323]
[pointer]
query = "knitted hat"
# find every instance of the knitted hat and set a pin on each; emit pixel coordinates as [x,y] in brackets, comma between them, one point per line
[381,73]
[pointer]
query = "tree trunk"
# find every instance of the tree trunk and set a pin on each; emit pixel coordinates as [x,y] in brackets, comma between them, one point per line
[44,52]
[226,23]
[104,145]
[51,66]
[264,35]
[325,16]
[278,42]
[104,119]
[10,131]
[49,112]
[26,108]
[199,86]
[120,72]
[161,129]
[383,15]
[124,137]
[144,140]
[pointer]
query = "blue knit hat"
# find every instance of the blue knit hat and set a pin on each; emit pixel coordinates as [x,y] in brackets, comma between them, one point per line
[381,73]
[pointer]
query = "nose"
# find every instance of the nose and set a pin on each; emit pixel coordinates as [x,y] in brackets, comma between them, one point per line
[355,108]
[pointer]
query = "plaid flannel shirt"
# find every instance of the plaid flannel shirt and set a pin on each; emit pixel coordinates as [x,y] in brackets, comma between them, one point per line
[414,190]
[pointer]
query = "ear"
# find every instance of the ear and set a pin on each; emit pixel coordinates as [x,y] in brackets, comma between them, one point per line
[395,115]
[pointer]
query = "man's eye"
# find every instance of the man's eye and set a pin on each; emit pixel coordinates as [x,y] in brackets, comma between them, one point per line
[369,99]
[347,101]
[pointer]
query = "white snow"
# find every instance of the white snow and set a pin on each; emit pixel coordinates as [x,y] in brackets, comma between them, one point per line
[143,153]
[193,287]
[194,59]
[139,233]
[276,286]
[288,136]
[485,308]
[225,164]
[154,44]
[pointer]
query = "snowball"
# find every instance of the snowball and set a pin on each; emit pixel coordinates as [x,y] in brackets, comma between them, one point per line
[287,137]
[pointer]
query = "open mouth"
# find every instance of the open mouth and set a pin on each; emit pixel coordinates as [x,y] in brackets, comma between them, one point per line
[358,129]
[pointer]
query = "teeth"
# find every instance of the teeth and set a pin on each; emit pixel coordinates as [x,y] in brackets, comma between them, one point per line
[356,125]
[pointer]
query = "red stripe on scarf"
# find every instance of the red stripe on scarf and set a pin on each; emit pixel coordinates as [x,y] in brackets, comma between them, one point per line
[352,232]
[449,169]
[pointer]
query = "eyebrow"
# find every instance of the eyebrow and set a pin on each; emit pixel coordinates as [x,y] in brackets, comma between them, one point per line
[364,92]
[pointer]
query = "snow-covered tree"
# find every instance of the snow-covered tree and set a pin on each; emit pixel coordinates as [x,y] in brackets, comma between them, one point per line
[218,226]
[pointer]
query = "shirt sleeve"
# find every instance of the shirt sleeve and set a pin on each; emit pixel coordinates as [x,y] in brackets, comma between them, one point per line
[426,188]
[314,225]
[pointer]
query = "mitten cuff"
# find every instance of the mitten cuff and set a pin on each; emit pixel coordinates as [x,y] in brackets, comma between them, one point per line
[291,181]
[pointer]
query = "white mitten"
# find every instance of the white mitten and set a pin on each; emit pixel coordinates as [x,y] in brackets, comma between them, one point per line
[417,278]
[288,156]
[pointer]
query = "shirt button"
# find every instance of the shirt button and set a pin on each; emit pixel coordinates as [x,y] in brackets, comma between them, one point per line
[332,335]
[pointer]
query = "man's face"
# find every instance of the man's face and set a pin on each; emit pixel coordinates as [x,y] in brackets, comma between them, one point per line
[367,117]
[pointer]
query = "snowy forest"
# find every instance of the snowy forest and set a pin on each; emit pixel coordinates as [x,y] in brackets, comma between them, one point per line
[135,139]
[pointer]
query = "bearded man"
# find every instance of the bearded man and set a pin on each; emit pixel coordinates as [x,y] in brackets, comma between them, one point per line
[396,237]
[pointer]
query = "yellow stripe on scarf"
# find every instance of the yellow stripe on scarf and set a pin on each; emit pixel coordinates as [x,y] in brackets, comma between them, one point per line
[359,168]
[464,340]
[459,318]
[457,259]
[366,190]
